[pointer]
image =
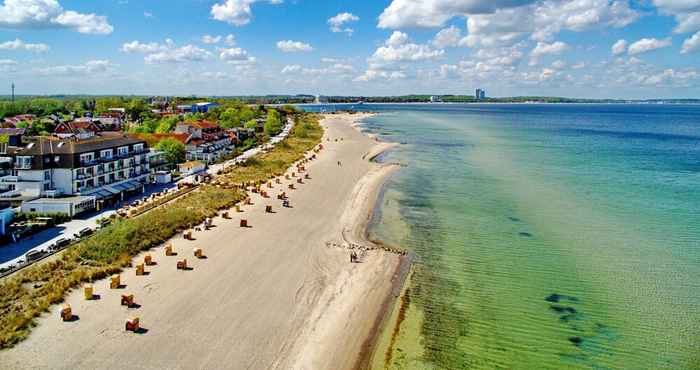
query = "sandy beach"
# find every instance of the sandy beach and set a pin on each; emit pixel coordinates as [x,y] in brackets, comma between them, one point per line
[280,294]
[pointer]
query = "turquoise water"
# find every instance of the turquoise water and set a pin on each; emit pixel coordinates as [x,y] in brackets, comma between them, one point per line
[546,236]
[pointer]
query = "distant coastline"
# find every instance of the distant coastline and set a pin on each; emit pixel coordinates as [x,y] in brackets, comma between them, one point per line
[513,103]
[495,102]
[307,99]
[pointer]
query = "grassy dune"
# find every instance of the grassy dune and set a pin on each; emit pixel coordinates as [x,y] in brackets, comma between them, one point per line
[27,294]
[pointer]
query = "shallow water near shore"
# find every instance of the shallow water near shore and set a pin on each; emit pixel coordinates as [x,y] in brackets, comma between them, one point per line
[544,236]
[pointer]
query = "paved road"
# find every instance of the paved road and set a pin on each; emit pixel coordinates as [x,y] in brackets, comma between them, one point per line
[213,169]
[11,253]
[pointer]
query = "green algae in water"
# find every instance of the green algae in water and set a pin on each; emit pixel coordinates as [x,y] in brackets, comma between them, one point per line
[526,259]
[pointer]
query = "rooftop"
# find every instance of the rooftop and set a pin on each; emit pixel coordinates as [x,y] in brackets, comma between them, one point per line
[12,131]
[78,198]
[201,124]
[52,145]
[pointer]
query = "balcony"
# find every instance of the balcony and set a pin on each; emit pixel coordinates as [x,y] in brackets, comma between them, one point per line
[18,179]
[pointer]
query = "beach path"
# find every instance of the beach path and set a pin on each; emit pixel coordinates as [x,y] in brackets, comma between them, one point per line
[273,295]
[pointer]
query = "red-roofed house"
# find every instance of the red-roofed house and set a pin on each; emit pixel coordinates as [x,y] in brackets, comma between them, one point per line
[13,121]
[155,138]
[206,141]
[110,121]
[80,129]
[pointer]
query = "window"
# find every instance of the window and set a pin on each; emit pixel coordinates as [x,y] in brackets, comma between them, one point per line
[138,147]
[123,150]
[47,175]
[106,154]
[56,159]
[23,162]
[87,157]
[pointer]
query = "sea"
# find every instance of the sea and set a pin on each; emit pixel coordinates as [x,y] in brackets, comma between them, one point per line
[543,236]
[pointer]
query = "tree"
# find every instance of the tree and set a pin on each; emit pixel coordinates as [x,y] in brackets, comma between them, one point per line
[174,150]
[251,124]
[35,128]
[273,124]
[135,108]
[103,104]
[289,109]
[148,126]
[230,118]
[167,125]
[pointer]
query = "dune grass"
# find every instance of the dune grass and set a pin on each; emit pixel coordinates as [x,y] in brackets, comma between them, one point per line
[28,293]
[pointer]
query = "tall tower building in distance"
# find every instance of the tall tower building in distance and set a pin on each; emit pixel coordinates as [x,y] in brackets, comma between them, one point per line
[480,94]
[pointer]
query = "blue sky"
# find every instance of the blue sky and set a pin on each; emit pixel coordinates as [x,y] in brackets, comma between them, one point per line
[579,48]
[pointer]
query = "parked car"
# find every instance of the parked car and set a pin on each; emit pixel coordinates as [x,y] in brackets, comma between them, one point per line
[83,233]
[60,243]
[34,255]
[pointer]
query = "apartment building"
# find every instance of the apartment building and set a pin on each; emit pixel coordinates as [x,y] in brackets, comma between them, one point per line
[106,166]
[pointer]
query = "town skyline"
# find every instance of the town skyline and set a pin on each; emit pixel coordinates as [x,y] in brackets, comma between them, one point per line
[575,48]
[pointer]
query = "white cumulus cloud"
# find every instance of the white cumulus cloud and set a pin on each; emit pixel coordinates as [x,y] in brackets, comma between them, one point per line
[334,69]
[236,56]
[434,13]
[90,67]
[691,44]
[687,22]
[142,47]
[338,21]
[398,48]
[236,12]
[449,37]
[686,12]
[374,74]
[289,69]
[84,23]
[619,47]
[543,48]
[8,65]
[25,14]
[18,44]
[289,46]
[647,44]
[209,39]
[503,23]
[187,53]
